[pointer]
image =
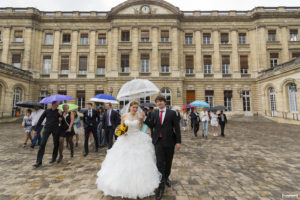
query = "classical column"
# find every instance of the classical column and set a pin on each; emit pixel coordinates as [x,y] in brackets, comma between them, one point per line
[55,57]
[113,55]
[198,56]
[154,62]
[284,40]
[5,41]
[174,59]
[72,91]
[216,56]
[92,64]
[134,60]
[8,101]
[234,64]
[73,60]
[262,51]
[27,48]
[252,58]
[36,52]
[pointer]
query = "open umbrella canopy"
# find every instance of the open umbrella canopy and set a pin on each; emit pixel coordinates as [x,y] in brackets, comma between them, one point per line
[200,104]
[148,105]
[137,88]
[29,104]
[218,108]
[187,106]
[56,97]
[104,98]
[71,106]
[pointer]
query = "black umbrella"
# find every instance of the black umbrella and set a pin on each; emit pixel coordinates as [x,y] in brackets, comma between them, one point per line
[29,104]
[82,110]
[218,108]
[148,105]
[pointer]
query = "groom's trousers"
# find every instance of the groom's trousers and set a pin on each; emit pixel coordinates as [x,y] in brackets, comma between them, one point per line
[164,158]
[47,132]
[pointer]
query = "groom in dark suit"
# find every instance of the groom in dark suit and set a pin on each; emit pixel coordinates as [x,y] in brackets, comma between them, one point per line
[110,121]
[166,138]
[90,120]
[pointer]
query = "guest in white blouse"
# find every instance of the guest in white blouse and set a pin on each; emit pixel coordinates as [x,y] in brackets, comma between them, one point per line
[214,123]
[205,119]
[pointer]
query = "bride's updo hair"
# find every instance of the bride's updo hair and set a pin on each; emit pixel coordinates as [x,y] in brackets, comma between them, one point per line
[132,104]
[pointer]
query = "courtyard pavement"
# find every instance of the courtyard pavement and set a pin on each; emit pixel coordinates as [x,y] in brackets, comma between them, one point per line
[256,160]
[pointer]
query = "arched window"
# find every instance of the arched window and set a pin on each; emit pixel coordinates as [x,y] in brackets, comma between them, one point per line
[272,101]
[292,92]
[167,94]
[17,95]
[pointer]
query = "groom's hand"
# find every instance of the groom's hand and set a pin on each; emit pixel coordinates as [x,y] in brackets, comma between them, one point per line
[177,147]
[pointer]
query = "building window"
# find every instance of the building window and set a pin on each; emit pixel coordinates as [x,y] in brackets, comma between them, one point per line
[271,35]
[16,60]
[125,63]
[294,35]
[80,99]
[295,54]
[101,65]
[18,36]
[43,94]
[167,94]
[228,100]
[145,100]
[244,64]
[48,38]
[246,101]
[273,59]
[206,38]
[272,101]
[62,92]
[46,65]
[165,63]
[164,36]
[125,36]
[145,63]
[145,36]
[99,92]
[84,39]
[102,38]
[209,97]
[189,38]
[292,92]
[189,64]
[242,38]
[64,65]
[225,64]
[66,38]
[224,38]
[207,64]
[82,64]
[123,103]
[17,96]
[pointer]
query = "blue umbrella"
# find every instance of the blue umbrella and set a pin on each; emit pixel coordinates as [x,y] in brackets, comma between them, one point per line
[104,98]
[56,97]
[200,104]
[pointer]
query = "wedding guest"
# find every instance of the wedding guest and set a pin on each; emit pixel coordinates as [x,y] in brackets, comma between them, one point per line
[111,121]
[90,120]
[27,124]
[52,116]
[77,127]
[100,130]
[35,115]
[214,123]
[222,121]
[185,120]
[178,115]
[205,119]
[195,120]
[66,131]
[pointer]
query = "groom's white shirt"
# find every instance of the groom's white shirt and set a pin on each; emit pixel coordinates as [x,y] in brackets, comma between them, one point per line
[164,114]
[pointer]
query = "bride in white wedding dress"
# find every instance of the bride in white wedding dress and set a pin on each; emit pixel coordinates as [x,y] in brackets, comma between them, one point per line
[129,169]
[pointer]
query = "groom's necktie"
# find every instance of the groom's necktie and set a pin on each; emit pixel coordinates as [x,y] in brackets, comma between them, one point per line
[160,119]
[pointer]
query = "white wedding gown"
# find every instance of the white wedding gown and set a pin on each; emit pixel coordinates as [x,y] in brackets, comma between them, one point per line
[129,169]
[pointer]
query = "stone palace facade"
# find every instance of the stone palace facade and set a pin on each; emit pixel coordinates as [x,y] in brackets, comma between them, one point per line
[245,60]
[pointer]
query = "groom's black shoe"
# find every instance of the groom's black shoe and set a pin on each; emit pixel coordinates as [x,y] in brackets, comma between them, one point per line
[85,154]
[159,194]
[36,165]
[168,182]
[52,161]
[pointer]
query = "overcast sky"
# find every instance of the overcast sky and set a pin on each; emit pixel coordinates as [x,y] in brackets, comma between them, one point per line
[106,5]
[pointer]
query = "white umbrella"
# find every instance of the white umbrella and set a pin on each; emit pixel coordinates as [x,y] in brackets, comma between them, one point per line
[137,88]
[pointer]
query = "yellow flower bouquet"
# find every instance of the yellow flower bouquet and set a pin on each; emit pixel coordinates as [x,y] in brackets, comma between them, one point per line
[121,130]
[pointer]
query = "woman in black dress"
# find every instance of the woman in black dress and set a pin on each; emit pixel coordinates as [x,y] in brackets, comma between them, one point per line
[101,135]
[66,131]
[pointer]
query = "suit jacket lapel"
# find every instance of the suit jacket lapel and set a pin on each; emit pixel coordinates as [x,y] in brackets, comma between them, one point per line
[167,111]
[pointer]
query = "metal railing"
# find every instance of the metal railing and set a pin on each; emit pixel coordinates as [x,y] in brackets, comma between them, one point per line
[283,115]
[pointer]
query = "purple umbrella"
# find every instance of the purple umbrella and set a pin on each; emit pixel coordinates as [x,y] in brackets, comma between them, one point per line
[56,97]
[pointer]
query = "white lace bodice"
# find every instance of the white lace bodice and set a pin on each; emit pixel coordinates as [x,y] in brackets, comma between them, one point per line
[133,123]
